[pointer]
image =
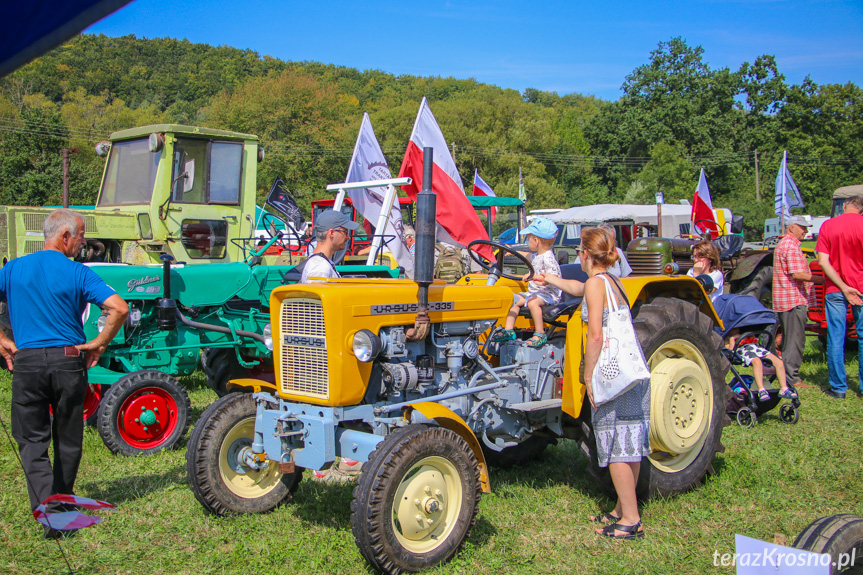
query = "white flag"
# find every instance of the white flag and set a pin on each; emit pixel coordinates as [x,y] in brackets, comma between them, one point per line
[368,163]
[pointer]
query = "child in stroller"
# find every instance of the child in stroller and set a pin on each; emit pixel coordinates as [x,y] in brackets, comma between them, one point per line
[749,330]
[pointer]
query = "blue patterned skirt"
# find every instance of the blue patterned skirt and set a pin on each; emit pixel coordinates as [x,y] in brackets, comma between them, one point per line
[622,426]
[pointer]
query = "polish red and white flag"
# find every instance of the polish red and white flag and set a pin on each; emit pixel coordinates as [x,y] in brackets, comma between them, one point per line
[481,188]
[457,222]
[702,208]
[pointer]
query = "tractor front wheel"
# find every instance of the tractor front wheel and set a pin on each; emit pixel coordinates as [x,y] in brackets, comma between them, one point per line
[143,413]
[217,466]
[416,499]
[221,366]
[92,400]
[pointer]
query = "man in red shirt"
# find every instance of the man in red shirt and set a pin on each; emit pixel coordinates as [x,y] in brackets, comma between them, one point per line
[840,253]
[792,281]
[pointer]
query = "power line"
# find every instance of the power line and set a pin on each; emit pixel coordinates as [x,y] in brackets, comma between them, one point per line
[547,158]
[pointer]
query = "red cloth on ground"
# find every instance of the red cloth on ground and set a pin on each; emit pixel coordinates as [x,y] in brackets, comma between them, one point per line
[841,238]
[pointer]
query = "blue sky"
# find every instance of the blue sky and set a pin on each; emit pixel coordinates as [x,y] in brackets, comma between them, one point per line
[561,46]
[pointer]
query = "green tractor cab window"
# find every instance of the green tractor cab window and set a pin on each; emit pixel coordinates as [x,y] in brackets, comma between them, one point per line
[130,175]
[205,238]
[206,172]
[225,172]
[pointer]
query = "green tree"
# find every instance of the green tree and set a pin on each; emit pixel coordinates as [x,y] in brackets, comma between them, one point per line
[30,163]
[303,124]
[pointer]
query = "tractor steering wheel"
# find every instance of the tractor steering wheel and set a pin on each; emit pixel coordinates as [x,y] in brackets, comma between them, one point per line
[705,220]
[496,267]
[269,222]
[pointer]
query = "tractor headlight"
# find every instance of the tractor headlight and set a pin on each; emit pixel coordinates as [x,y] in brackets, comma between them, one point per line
[268,336]
[100,323]
[366,345]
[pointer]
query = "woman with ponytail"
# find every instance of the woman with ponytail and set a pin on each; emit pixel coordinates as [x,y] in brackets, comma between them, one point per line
[621,426]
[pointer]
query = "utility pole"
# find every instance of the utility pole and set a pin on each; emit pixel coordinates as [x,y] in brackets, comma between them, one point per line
[757,180]
[453,152]
[65,152]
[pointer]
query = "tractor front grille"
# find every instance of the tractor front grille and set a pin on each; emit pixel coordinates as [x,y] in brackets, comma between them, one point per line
[33,222]
[33,246]
[304,349]
[645,264]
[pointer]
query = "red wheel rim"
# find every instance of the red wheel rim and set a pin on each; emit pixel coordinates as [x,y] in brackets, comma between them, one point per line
[92,400]
[147,418]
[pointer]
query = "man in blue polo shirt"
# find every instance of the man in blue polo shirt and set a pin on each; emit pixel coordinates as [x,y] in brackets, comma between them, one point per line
[47,294]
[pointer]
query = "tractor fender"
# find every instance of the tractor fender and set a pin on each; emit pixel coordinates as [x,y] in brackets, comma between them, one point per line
[251,386]
[448,419]
[645,288]
[750,264]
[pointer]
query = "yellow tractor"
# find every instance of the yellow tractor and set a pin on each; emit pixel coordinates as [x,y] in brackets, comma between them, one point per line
[401,375]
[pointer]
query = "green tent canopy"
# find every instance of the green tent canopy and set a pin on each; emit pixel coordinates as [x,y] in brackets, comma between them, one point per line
[493,202]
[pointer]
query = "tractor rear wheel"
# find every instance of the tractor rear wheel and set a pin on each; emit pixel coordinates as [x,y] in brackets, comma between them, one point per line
[687,399]
[416,499]
[143,413]
[761,286]
[524,452]
[216,468]
[220,365]
[840,536]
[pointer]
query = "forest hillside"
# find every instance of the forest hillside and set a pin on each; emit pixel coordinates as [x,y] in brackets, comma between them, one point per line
[677,115]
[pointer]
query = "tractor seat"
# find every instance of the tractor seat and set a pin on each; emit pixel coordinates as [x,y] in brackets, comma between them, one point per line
[729,245]
[568,303]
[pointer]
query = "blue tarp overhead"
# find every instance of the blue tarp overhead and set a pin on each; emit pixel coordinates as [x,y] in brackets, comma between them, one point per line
[29,29]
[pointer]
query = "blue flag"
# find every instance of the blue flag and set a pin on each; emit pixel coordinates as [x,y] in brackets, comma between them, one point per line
[787,195]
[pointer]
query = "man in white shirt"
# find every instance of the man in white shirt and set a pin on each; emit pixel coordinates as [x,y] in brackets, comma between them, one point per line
[332,230]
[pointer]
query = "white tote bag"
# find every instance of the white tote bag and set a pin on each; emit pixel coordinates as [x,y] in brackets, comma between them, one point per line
[621,361]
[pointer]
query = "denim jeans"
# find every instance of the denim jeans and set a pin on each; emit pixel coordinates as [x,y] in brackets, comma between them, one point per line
[836,308]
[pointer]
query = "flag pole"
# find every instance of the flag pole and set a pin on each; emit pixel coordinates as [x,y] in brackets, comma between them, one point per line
[381,226]
[784,187]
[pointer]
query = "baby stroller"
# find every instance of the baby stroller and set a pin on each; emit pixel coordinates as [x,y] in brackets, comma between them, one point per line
[757,324]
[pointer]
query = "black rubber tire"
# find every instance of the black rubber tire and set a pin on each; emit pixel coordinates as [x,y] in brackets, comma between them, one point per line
[205,461]
[835,535]
[657,322]
[525,452]
[789,413]
[372,508]
[761,286]
[746,418]
[220,365]
[111,409]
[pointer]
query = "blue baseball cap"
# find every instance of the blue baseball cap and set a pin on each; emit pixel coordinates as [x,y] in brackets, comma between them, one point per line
[542,228]
[331,219]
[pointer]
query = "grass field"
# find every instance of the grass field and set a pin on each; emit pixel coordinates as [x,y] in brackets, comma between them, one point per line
[770,482]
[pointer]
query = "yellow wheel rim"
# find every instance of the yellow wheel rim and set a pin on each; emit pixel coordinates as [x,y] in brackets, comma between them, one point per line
[242,480]
[681,405]
[426,504]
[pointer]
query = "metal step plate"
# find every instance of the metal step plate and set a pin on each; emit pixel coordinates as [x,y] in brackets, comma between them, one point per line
[536,405]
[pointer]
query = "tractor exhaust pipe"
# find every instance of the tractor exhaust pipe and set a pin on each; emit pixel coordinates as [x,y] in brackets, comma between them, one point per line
[425,230]
[166,308]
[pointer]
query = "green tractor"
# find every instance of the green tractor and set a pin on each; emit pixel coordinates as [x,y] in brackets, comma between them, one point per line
[173,196]
[166,189]
[181,317]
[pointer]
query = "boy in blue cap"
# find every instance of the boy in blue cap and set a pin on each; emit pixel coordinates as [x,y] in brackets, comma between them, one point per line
[540,238]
